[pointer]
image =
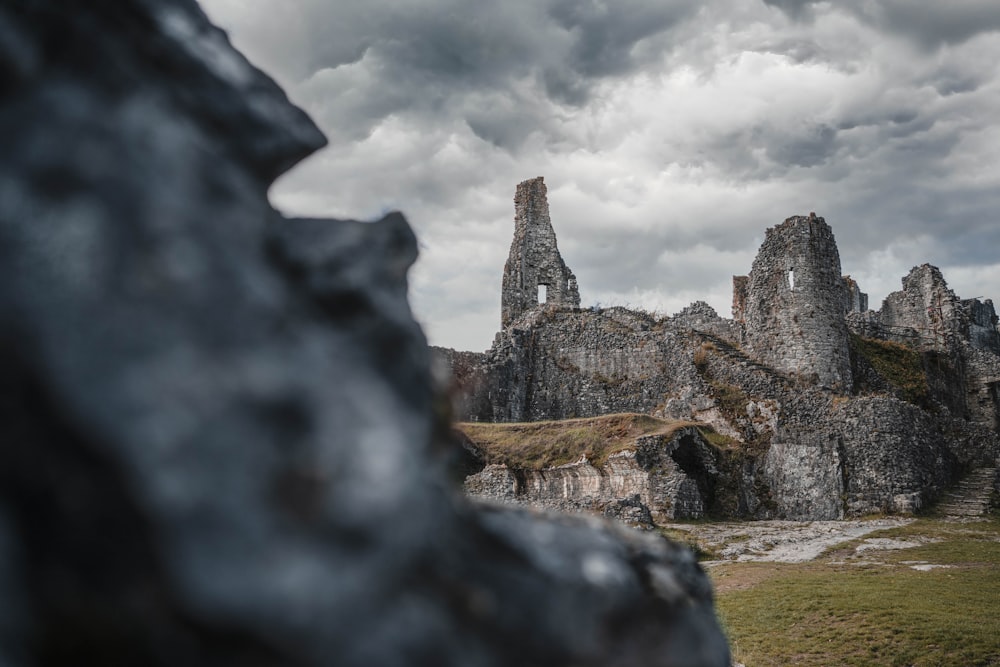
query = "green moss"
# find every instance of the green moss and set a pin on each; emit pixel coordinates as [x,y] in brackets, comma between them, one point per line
[901,366]
[717,439]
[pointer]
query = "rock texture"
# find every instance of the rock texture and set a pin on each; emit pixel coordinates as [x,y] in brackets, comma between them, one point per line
[662,477]
[959,340]
[217,431]
[534,262]
[836,410]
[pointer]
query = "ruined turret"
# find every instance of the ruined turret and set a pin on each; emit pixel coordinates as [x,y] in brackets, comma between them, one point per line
[925,314]
[857,301]
[794,303]
[535,273]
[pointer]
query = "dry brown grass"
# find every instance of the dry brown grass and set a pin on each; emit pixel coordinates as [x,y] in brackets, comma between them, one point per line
[538,445]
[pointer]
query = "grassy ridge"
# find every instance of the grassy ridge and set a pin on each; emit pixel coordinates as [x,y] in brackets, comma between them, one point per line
[871,610]
[538,445]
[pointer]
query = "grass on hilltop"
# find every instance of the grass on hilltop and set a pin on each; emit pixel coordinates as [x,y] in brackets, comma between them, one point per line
[834,611]
[538,445]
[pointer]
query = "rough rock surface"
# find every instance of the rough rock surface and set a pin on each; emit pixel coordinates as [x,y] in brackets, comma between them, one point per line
[217,429]
[662,477]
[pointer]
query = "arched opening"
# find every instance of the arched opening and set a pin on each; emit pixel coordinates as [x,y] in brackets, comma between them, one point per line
[543,293]
[791,278]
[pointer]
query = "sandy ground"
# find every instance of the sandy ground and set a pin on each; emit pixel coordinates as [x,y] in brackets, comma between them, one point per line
[785,541]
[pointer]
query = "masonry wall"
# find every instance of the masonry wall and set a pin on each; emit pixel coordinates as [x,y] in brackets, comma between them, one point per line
[534,258]
[925,314]
[795,303]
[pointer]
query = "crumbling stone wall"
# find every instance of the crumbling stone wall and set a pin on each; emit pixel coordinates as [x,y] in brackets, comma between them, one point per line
[795,303]
[534,258]
[982,322]
[857,301]
[925,314]
[558,364]
[958,339]
[740,284]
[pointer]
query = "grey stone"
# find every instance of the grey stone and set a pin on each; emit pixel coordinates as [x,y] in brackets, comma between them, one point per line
[657,479]
[534,262]
[795,303]
[218,437]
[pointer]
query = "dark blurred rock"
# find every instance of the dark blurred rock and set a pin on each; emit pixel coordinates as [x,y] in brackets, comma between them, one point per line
[216,425]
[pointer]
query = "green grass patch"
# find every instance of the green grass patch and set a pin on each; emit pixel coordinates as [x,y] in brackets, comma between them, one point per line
[717,439]
[538,445]
[899,365]
[883,613]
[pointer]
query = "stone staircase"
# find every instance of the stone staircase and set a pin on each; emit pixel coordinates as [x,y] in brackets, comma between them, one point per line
[971,498]
[738,356]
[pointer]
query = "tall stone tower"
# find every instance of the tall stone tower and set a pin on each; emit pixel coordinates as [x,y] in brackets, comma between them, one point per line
[535,273]
[795,301]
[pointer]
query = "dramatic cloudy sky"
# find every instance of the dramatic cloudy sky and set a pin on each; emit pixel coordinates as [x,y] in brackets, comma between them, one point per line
[670,133]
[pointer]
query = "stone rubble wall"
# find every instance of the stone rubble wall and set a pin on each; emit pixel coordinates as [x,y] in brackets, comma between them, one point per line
[565,364]
[534,258]
[983,327]
[925,314]
[959,340]
[857,301]
[795,303]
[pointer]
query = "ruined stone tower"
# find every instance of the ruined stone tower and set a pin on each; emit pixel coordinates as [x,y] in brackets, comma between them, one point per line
[926,314]
[535,272]
[794,302]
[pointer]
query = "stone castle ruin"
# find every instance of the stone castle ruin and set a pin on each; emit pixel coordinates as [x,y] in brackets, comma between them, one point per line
[793,310]
[535,272]
[824,408]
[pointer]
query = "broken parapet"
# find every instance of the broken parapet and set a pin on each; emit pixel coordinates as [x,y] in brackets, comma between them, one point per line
[794,303]
[534,263]
[926,313]
[740,284]
[982,319]
[856,300]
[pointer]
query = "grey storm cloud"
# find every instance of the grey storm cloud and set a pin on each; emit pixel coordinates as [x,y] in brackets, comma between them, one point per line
[931,24]
[485,63]
[670,134]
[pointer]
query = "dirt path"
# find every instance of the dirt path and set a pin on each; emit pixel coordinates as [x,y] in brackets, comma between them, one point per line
[779,541]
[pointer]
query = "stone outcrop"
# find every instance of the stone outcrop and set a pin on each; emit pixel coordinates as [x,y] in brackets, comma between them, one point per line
[218,442]
[534,263]
[830,419]
[664,477]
